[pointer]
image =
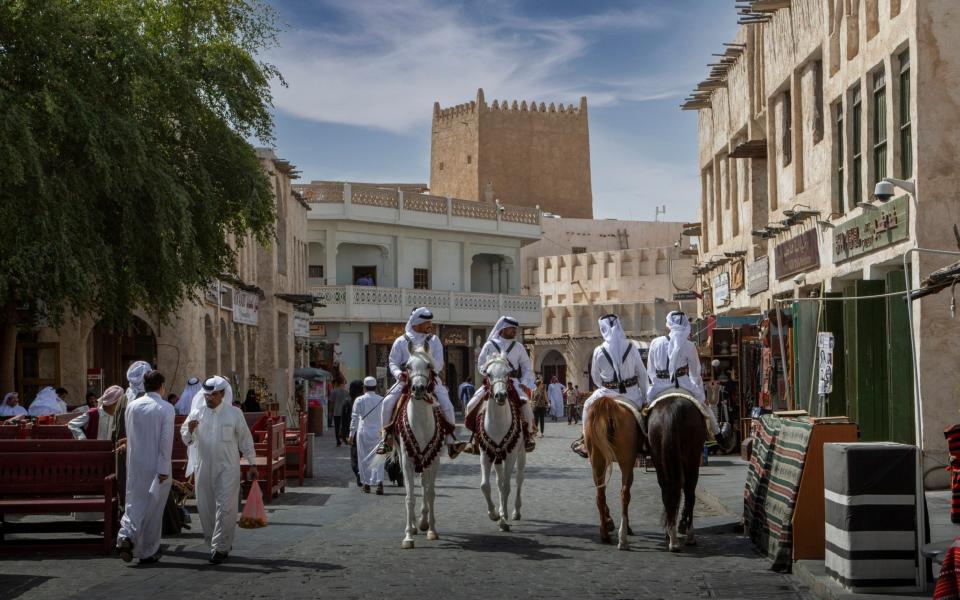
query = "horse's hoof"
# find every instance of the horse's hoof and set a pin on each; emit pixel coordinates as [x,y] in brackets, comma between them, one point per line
[516,516]
[691,541]
[432,536]
[505,527]
[610,525]
[406,545]
[624,545]
[494,516]
[673,548]
[605,539]
[424,525]
[630,531]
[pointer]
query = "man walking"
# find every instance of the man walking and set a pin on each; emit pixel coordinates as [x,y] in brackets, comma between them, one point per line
[366,421]
[340,400]
[149,428]
[570,403]
[217,430]
[555,396]
[540,405]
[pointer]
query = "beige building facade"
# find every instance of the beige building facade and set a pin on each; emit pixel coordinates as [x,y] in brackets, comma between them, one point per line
[583,269]
[516,153]
[245,324]
[812,104]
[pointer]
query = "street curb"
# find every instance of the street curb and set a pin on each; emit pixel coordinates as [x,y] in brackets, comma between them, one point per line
[813,574]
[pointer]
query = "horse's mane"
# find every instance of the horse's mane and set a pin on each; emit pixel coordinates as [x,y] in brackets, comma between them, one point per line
[424,356]
[496,358]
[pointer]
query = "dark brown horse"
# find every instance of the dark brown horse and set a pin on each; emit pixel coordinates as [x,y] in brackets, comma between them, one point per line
[677,432]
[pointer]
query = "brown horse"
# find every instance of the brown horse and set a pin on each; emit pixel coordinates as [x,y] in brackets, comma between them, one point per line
[677,432]
[612,435]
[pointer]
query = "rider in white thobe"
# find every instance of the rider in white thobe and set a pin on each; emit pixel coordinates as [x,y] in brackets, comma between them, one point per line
[502,340]
[416,335]
[617,370]
[149,428]
[366,421]
[216,430]
[673,363]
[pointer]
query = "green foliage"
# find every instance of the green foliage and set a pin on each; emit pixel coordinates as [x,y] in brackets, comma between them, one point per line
[124,160]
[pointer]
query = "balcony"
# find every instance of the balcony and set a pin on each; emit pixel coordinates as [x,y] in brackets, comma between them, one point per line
[371,203]
[393,305]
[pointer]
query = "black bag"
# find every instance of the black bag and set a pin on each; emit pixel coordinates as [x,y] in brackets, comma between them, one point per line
[393,469]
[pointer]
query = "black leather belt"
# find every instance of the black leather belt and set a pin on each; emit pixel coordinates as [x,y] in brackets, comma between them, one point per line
[666,374]
[683,371]
[516,374]
[625,383]
[663,374]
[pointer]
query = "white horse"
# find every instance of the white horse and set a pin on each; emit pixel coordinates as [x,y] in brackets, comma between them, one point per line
[501,441]
[421,441]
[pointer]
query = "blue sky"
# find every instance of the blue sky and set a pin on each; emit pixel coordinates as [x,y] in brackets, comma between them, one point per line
[362,78]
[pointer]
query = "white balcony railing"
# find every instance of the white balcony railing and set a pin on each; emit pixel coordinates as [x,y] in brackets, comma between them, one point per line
[382,304]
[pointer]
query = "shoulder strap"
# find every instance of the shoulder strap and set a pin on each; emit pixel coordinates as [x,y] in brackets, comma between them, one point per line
[496,345]
[513,344]
[616,375]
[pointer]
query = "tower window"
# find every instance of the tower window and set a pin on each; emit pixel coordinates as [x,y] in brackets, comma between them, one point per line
[441,165]
[469,159]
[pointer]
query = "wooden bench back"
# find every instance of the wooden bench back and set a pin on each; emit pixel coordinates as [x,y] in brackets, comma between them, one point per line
[54,467]
[278,431]
[51,432]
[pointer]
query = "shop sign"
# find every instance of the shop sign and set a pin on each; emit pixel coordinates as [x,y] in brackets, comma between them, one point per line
[872,230]
[797,255]
[246,307]
[721,289]
[736,275]
[758,276]
[455,335]
[385,333]
[301,324]
[318,329]
[679,296]
[825,344]
[707,301]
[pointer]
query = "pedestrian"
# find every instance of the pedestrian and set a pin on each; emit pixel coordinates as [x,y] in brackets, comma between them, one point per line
[64,395]
[366,421]
[90,399]
[172,399]
[464,393]
[555,396]
[149,445]
[570,403]
[217,430]
[11,406]
[184,404]
[540,405]
[97,422]
[617,371]
[47,403]
[250,403]
[340,401]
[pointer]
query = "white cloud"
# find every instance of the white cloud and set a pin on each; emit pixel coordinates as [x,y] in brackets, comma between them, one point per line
[386,63]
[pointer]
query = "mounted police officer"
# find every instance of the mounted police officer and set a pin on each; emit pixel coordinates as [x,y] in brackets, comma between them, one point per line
[617,371]
[418,332]
[503,340]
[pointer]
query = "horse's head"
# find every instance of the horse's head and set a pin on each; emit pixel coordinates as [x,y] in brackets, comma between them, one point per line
[498,371]
[420,373]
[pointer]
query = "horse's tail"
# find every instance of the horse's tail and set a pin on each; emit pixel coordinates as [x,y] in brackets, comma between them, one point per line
[601,429]
[671,448]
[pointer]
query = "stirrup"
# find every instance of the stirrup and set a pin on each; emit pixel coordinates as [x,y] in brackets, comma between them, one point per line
[530,445]
[578,448]
[385,447]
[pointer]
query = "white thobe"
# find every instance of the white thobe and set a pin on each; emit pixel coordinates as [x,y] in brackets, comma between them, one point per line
[601,370]
[555,396]
[366,421]
[220,433]
[12,411]
[78,426]
[149,421]
[399,354]
[692,382]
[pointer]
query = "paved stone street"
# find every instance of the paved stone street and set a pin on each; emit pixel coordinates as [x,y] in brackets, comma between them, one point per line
[328,539]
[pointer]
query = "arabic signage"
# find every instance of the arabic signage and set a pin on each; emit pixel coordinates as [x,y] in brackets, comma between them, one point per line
[758,276]
[301,324]
[736,275]
[872,230]
[721,289]
[797,254]
[678,296]
[385,333]
[455,335]
[245,307]
[318,329]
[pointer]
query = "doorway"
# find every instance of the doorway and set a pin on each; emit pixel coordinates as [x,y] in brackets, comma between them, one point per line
[366,273]
[554,365]
[113,350]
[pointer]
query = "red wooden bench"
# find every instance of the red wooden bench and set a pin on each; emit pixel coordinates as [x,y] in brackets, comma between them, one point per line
[271,462]
[296,445]
[42,477]
[51,432]
[179,454]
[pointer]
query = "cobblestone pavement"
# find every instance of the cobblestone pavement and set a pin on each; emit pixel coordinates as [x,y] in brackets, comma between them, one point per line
[329,540]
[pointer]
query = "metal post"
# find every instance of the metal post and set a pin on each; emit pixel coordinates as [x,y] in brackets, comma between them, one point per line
[783,359]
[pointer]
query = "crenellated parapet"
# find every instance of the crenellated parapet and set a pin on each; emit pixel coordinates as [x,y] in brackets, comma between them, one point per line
[510,106]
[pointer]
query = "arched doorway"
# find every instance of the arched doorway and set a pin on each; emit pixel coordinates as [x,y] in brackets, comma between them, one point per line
[113,350]
[554,365]
[492,274]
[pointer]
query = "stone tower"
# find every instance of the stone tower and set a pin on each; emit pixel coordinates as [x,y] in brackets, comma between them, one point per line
[523,154]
